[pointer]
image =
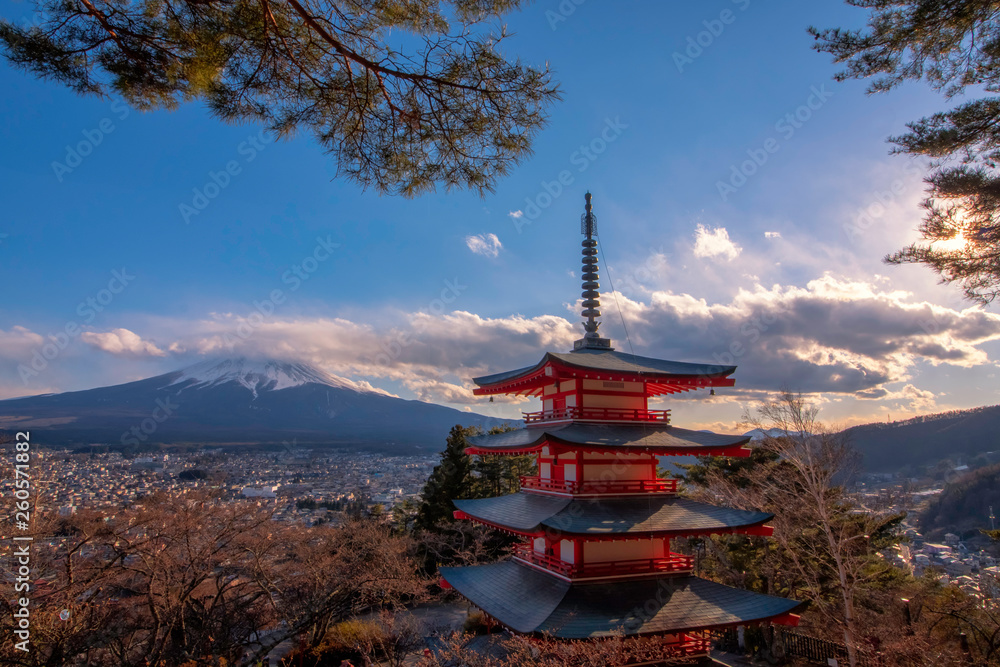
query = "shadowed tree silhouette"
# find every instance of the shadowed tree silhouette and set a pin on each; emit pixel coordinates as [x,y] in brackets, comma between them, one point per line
[404,95]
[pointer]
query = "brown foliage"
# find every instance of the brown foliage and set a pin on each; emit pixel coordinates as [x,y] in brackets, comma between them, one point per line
[514,651]
[193,578]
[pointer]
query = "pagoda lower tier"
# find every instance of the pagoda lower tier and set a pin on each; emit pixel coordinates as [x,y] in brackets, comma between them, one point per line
[528,600]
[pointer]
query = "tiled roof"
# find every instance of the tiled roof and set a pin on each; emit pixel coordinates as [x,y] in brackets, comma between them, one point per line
[611,361]
[660,438]
[533,512]
[528,600]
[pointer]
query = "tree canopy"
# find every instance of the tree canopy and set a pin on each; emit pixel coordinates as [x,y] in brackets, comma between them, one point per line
[955,46]
[194,579]
[405,96]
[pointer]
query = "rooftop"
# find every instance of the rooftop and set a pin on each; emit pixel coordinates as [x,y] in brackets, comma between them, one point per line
[527,600]
[659,439]
[665,376]
[534,513]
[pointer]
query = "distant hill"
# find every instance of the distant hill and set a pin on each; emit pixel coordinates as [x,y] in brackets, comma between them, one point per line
[237,401]
[963,507]
[924,440]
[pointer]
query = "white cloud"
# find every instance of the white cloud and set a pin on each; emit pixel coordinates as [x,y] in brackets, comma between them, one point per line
[911,398]
[833,336]
[122,342]
[772,235]
[487,245]
[516,214]
[714,243]
[19,342]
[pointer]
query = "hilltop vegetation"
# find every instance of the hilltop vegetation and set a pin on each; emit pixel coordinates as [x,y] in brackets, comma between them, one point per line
[924,440]
[964,505]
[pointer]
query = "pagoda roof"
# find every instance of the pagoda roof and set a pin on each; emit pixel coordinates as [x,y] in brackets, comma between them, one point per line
[654,438]
[536,513]
[528,600]
[618,364]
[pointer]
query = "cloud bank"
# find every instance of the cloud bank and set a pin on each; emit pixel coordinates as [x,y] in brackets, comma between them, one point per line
[831,336]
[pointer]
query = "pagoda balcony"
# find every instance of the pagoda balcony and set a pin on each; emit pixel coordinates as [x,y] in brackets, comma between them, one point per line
[598,415]
[674,563]
[599,487]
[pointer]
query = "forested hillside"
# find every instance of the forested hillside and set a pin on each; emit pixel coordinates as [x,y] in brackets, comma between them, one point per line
[960,434]
[964,505]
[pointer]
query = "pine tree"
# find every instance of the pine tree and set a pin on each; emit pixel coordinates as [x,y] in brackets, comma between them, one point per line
[952,44]
[448,110]
[451,479]
[500,475]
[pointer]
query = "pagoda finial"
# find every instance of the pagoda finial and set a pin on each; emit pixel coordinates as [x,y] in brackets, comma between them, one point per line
[591,295]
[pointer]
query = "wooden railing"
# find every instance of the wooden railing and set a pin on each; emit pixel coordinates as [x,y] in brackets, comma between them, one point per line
[689,646]
[598,414]
[781,643]
[528,554]
[600,486]
[820,650]
[672,563]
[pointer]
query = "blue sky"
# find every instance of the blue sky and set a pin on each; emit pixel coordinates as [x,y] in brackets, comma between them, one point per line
[415,296]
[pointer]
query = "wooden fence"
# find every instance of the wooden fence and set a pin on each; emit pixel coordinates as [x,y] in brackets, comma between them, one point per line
[779,642]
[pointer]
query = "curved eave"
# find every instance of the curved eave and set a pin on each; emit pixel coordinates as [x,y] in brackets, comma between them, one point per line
[530,380]
[758,529]
[736,451]
[610,438]
[609,518]
[529,601]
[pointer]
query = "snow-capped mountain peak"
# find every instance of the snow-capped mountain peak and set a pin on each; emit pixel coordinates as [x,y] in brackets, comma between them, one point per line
[261,375]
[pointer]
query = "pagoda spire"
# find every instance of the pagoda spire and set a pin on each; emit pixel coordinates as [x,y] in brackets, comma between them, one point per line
[591,296]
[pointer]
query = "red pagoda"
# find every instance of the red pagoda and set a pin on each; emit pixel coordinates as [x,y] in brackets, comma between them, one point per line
[597,521]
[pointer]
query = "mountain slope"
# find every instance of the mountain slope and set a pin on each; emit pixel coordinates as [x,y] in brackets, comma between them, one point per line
[237,401]
[923,440]
[965,505]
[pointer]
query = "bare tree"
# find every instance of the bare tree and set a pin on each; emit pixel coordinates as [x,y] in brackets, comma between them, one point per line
[826,544]
[397,636]
[193,578]
[518,650]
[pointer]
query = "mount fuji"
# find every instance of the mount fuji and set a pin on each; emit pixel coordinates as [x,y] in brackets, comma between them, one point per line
[238,401]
